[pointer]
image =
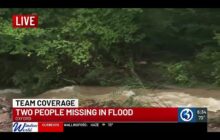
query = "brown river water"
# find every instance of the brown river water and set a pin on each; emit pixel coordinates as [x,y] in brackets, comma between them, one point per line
[169,97]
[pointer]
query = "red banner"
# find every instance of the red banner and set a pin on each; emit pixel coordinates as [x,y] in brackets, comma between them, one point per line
[25,21]
[95,114]
[50,127]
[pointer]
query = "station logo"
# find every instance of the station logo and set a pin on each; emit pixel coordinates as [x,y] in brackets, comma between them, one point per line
[186,115]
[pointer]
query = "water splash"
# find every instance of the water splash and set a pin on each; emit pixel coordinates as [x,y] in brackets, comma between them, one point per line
[180,99]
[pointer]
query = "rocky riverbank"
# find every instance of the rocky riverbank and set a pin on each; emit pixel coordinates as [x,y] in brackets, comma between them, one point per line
[5,114]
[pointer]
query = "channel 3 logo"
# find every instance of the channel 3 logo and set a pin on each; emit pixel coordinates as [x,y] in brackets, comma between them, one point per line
[186,115]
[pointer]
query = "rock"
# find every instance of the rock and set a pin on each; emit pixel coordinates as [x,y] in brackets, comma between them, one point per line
[5,117]
[4,102]
[5,127]
[4,109]
[3,99]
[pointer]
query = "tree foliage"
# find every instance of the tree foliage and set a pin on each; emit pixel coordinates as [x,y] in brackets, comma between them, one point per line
[104,46]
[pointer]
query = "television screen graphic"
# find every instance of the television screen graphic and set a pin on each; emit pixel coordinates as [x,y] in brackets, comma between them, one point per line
[108,69]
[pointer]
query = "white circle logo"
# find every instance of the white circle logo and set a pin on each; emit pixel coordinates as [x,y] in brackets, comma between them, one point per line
[186,115]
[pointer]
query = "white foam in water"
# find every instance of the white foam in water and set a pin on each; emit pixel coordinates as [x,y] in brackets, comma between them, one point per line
[64,89]
[128,93]
[179,99]
[160,99]
[14,91]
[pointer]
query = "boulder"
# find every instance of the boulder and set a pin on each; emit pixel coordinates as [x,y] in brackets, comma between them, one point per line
[4,117]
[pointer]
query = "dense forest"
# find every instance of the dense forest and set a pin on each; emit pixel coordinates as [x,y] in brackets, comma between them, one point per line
[110,47]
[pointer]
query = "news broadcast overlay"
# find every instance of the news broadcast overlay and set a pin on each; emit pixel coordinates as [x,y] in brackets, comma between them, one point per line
[25,21]
[61,115]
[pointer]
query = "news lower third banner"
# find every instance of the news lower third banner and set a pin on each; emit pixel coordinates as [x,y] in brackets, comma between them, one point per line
[50,115]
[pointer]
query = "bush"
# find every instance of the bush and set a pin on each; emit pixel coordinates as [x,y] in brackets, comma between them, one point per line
[207,65]
[179,72]
[34,82]
[108,76]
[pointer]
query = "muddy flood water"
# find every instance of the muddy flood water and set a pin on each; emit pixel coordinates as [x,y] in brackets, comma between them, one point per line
[169,97]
